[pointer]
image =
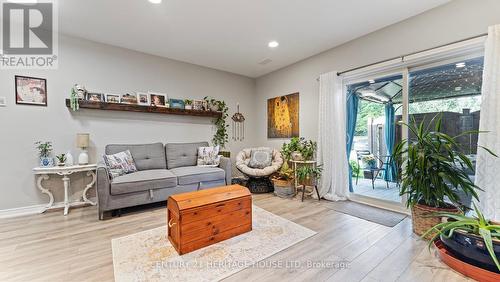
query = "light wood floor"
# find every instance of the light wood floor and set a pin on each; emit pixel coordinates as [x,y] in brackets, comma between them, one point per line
[50,247]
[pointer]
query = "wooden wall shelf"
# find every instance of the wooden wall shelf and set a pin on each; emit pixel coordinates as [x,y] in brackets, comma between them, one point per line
[143,109]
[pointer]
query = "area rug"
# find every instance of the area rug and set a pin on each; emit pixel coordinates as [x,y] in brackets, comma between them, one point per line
[380,216]
[149,256]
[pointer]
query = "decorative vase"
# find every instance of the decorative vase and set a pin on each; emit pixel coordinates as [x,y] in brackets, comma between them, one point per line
[83,158]
[69,159]
[422,221]
[46,161]
[188,107]
[167,105]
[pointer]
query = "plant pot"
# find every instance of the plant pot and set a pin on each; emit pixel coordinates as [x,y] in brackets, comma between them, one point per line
[470,248]
[283,188]
[422,221]
[296,156]
[46,161]
[188,107]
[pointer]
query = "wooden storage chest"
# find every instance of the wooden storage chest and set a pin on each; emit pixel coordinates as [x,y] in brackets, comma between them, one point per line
[201,218]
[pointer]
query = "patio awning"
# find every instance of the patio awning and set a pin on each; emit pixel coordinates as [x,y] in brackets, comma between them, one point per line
[442,82]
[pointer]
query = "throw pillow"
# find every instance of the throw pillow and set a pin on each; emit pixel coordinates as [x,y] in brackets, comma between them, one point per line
[208,156]
[120,163]
[260,158]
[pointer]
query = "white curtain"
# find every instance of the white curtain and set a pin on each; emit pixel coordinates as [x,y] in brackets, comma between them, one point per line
[332,138]
[487,166]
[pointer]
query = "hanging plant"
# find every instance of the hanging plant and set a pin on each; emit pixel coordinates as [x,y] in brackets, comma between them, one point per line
[221,137]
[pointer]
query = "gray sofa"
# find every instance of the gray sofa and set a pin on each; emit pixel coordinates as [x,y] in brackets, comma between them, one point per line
[163,170]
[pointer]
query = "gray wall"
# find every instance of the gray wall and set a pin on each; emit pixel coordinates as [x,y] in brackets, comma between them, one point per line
[457,20]
[114,70]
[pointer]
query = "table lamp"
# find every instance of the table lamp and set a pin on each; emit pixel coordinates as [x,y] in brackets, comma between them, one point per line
[82,142]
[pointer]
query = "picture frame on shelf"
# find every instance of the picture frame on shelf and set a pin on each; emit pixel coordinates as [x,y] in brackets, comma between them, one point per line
[143,99]
[113,98]
[129,99]
[157,99]
[198,105]
[176,103]
[95,97]
[30,90]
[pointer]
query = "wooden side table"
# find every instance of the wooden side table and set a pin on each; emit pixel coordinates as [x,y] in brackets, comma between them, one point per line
[303,187]
[64,171]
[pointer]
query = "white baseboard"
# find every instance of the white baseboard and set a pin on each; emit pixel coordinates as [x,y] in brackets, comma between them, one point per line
[36,209]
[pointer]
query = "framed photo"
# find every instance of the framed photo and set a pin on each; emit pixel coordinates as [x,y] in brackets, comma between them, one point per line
[31,90]
[198,105]
[95,97]
[129,99]
[143,99]
[157,99]
[176,103]
[113,98]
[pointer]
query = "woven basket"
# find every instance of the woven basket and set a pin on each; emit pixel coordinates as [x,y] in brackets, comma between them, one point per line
[422,222]
[283,188]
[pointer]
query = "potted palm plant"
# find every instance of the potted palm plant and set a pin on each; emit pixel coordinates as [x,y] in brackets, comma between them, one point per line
[473,239]
[435,170]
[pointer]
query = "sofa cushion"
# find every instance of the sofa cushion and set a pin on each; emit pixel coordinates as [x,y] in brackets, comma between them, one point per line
[196,174]
[142,181]
[182,154]
[146,156]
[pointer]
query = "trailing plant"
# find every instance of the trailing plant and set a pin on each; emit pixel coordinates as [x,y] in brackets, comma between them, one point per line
[307,172]
[476,225]
[435,167]
[221,136]
[61,158]
[44,148]
[308,149]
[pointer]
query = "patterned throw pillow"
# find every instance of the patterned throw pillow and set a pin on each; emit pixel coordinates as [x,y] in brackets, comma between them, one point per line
[208,156]
[120,163]
[260,158]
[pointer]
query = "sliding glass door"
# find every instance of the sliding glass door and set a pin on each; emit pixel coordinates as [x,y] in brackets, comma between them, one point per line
[448,89]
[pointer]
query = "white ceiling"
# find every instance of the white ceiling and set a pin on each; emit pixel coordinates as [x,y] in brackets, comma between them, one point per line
[232,35]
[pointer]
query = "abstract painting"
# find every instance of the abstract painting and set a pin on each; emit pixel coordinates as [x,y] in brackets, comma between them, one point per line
[283,116]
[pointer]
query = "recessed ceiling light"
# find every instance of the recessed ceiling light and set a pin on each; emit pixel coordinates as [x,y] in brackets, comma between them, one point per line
[273,44]
[371,81]
[460,65]
[155,1]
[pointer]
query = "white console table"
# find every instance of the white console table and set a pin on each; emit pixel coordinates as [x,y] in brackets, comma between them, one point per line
[64,171]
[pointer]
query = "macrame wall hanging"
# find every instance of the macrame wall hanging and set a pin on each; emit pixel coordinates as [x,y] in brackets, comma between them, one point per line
[238,125]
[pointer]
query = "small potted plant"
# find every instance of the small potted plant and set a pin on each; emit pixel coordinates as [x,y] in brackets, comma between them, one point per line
[188,104]
[474,239]
[293,149]
[308,149]
[61,159]
[436,171]
[44,151]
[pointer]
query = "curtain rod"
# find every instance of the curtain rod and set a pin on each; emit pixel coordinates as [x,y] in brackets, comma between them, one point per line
[409,54]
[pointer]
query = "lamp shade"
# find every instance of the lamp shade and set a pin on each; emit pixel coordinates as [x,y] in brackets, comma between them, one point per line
[82,140]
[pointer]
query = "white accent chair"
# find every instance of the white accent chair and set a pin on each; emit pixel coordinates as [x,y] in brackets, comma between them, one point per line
[258,179]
